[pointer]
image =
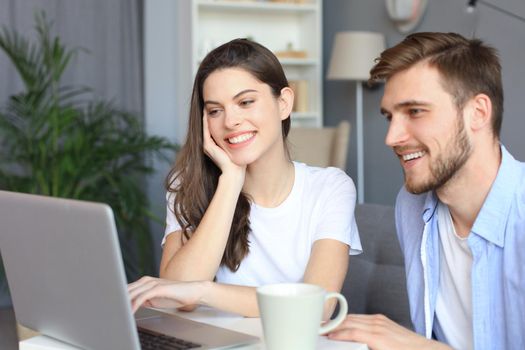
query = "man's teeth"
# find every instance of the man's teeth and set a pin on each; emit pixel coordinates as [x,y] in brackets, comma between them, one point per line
[241,138]
[413,155]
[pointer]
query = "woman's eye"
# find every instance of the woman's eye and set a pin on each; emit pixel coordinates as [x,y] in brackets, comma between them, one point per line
[213,112]
[246,103]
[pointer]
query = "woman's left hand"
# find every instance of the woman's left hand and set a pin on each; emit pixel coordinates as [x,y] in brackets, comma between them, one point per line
[161,293]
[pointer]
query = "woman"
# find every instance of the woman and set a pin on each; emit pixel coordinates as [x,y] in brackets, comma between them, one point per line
[240,212]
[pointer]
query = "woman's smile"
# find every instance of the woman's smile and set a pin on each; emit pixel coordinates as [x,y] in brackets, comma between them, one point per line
[240,138]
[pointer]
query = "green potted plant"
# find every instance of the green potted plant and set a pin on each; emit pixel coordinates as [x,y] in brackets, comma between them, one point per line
[56,140]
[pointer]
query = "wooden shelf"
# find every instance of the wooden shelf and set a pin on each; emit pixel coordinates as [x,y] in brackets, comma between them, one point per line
[298,61]
[218,5]
[283,27]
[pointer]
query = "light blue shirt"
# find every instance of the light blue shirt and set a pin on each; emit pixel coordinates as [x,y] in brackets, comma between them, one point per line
[497,242]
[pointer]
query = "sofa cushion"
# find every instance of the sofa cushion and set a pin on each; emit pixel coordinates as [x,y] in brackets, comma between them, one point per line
[376,281]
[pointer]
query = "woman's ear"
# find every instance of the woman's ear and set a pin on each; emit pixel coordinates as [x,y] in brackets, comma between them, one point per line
[480,112]
[285,102]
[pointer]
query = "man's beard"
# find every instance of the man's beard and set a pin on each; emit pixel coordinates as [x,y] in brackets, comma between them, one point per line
[447,164]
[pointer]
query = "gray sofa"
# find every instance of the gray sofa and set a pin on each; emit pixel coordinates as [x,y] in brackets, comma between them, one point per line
[375,282]
[8,336]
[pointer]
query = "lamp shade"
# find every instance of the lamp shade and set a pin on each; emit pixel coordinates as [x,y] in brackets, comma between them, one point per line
[353,55]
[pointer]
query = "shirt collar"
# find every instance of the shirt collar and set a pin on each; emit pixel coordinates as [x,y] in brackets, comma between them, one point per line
[492,218]
[431,203]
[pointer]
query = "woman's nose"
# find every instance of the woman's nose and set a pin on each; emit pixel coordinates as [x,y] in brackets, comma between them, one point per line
[232,118]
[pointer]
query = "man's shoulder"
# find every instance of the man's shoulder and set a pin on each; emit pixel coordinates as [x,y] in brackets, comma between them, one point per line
[410,202]
[409,216]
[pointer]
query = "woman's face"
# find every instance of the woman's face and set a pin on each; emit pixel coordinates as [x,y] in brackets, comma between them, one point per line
[244,117]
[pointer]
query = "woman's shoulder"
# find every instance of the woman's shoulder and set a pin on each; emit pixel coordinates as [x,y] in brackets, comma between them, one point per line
[324,177]
[321,172]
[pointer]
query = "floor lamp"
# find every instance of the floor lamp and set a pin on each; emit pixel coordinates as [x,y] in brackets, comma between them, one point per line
[352,58]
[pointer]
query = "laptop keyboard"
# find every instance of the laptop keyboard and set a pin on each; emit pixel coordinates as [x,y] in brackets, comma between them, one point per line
[150,340]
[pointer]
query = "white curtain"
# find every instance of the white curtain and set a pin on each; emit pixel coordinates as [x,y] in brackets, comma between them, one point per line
[111,30]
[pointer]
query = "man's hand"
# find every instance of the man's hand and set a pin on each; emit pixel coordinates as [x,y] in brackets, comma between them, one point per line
[379,332]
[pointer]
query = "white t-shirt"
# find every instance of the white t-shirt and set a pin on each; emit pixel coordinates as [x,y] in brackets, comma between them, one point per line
[454,297]
[320,205]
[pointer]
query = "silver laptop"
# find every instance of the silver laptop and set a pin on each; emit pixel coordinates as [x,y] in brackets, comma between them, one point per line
[66,276]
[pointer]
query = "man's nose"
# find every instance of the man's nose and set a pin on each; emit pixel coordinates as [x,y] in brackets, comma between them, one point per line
[397,132]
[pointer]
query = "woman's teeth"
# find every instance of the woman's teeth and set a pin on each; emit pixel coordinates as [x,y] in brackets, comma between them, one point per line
[241,138]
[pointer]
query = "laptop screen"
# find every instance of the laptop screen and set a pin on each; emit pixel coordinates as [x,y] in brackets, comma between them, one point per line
[65,271]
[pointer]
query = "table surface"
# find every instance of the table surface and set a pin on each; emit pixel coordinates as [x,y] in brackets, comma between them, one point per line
[206,315]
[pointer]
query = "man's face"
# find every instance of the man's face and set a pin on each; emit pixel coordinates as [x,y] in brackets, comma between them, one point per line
[426,130]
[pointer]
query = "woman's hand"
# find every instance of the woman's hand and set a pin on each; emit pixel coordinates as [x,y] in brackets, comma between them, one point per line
[185,296]
[219,156]
[161,293]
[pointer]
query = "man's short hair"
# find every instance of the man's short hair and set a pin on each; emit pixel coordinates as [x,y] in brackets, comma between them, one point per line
[467,67]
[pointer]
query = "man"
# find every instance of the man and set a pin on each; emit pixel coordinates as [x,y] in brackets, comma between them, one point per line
[460,217]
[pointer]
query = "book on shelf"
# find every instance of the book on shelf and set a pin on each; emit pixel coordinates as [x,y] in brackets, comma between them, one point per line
[300,89]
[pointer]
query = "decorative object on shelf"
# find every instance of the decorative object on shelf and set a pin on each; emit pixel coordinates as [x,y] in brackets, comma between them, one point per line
[290,52]
[406,14]
[57,140]
[352,58]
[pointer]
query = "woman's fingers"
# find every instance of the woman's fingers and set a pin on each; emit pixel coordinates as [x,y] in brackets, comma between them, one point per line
[206,136]
[139,282]
[218,155]
[140,288]
[211,148]
[157,292]
[157,296]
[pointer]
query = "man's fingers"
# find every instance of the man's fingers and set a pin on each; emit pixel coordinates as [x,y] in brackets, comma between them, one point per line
[362,321]
[343,334]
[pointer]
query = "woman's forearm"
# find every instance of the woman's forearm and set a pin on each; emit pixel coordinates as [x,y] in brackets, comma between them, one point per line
[231,298]
[162,293]
[199,257]
[327,268]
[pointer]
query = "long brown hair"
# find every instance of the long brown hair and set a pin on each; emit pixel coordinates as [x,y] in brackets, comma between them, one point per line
[466,66]
[194,178]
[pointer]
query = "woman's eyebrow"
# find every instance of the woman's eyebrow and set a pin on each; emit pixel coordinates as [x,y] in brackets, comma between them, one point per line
[244,92]
[211,102]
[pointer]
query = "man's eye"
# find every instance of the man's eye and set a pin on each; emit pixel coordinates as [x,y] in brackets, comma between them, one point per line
[415,111]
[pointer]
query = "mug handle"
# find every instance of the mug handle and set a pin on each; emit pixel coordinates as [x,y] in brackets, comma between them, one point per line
[341,315]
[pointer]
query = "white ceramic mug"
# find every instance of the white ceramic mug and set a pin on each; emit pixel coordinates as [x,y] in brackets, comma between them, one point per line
[291,314]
